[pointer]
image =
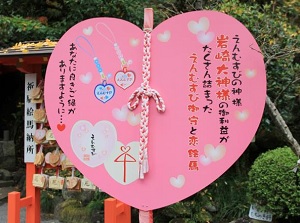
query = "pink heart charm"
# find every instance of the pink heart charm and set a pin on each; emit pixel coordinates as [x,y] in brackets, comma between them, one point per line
[124,80]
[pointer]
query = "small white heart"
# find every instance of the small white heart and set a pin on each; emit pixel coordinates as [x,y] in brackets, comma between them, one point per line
[120,114]
[250,73]
[242,115]
[205,38]
[201,26]
[214,153]
[134,42]
[204,160]
[133,119]
[88,31]
[177,181]
[86,78]
[164,37]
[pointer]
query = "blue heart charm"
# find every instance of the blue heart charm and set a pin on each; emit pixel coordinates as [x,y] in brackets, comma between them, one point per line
[104,92]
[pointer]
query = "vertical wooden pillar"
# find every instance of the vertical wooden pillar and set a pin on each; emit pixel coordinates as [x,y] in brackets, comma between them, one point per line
[32,200]
[33,211]
[116,211]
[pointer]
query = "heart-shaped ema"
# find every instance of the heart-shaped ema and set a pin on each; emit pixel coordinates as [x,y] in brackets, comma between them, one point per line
[39,159]
[200,66]
[49,135]
[72,182]
[39,136]
[35,93]
[54,158]
[104,92]
[124,79]
[39,115]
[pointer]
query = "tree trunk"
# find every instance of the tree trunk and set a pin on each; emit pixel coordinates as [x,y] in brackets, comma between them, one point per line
[280,123]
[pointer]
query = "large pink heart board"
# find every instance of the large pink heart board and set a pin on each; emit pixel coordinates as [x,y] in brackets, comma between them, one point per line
[210,73]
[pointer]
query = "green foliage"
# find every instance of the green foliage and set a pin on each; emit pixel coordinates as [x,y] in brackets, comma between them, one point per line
[17,29]
[190,210]
[229,196]
[273,185]
[97,204]
[48,198]
[73,212]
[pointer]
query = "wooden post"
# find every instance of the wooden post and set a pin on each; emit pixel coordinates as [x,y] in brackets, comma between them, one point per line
[33,211]
[116,211]
[31,202]
[13,210]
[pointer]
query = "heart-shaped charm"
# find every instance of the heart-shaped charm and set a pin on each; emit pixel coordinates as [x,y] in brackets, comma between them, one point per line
[124,79]
[104,92]
[199,65]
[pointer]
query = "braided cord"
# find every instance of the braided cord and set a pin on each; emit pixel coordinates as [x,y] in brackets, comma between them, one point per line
[144,92]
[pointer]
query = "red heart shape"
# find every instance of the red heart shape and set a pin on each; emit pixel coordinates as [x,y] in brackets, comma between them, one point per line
[108,88]
[61,127]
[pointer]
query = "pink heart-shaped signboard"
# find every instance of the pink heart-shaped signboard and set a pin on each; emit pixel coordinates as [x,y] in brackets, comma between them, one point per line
[211,76]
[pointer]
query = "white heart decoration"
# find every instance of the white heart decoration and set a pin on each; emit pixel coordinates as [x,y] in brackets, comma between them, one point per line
[214,153]
[204,160]
[93,144]
[201,26]
[250,73]
[134,42]
[164,37]
[205,38]
[88,31]
[178,181]
[242,115]
[133,119]
[86,78]
[121,114]
[123,163]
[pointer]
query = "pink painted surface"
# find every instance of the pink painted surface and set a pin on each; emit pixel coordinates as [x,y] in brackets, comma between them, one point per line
[211,113]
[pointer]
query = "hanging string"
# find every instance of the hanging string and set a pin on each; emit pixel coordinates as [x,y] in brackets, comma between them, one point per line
[145,92]
[89,50]
[113,41]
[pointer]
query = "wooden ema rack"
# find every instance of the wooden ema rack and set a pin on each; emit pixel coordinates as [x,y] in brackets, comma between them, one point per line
[114,210]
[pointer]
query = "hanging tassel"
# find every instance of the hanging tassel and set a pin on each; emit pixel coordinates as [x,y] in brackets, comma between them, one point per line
[145,161]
